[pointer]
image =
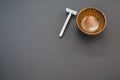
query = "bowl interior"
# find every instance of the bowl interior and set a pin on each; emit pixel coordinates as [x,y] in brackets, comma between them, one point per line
[91,21]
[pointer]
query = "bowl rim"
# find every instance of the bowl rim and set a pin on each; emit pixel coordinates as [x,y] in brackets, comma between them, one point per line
[96,33]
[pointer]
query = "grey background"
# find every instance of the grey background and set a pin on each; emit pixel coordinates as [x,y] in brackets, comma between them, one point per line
[30,48]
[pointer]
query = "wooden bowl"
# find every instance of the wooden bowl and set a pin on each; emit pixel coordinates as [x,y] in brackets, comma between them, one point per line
[91,21]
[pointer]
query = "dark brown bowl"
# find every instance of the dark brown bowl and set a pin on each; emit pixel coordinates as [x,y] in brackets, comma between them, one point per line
[91,21]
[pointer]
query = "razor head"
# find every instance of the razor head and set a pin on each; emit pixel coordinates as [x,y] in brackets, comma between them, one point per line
[71,11]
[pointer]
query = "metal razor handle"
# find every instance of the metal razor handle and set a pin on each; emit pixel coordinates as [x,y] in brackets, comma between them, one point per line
[70,11]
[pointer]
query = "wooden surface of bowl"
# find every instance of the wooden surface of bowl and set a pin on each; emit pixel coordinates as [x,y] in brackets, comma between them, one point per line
[91,21]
